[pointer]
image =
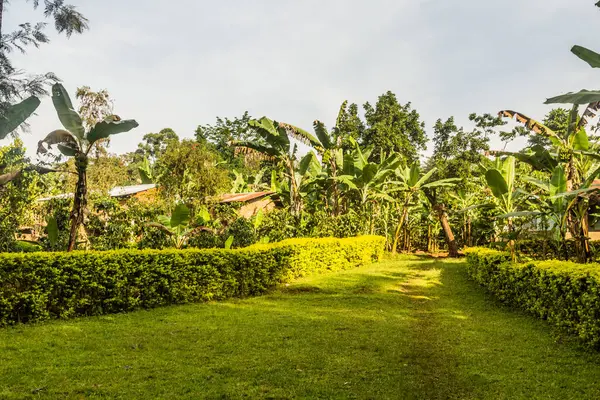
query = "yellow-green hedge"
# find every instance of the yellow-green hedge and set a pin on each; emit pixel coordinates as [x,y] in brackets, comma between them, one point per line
[565,293]
[40,286]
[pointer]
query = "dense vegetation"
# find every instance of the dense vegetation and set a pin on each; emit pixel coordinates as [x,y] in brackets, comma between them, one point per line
[39,286]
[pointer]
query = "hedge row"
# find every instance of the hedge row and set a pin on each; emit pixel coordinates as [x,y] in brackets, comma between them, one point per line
[543,249]
[40,286]
[565,293]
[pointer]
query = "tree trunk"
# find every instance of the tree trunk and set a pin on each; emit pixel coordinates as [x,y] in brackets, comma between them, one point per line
[1,15]
[469,238]
[80,200]
[452,247]
[336,190]
[399,228]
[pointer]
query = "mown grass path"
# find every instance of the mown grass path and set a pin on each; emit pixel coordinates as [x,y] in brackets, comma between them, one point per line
[408,328]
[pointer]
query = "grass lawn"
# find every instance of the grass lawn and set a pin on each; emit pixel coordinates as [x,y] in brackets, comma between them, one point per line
[408,328]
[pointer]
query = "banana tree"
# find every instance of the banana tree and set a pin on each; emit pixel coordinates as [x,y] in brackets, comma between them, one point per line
[563,206]
[501,180]
[570,148]
[411,185]
[245,183]
[369,178]
[277,147]
[573,152]
[74,141]
[176,226]
[328,145]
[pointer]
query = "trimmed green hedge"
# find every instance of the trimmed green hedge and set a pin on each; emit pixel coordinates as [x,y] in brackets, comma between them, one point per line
[40,286]
[565,293]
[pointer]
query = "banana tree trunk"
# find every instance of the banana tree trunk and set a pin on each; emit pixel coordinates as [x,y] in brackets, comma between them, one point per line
[452,247]
[399,228]
[469,236]
[335,191]
[80,200]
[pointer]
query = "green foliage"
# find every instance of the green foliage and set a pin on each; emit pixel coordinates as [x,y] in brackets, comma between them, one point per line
[17,195]
[393,127]
[63,285]
[242,231]
[190,172]
[223,133]
[17,114]
[562,292]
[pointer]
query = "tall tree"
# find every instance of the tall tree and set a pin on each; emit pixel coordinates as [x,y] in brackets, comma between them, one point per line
[75,141]
[457,152]
[154,145]
[14,84]
[393,127]
[190,172]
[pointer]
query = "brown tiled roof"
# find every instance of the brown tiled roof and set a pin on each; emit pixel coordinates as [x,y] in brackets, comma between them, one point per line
[243,197]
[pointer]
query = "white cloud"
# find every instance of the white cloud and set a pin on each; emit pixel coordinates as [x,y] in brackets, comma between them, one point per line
[182,64]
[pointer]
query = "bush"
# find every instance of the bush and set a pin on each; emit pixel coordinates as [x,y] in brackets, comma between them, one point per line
[40,286]
[564,293]
[242,230]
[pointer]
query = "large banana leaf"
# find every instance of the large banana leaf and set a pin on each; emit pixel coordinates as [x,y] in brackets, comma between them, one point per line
[590,112]
[106,128]
[180,216]
[247,147]
[508,171]
[426,177]
[303,136]
[272,132]
[60,137]
[17,114]
[558,181]
[496,182]
[532,125]
[323,136]
[581,97]
[587,55]
[67,115]
[581,141]
[309,165]
[413,176]
[369,172]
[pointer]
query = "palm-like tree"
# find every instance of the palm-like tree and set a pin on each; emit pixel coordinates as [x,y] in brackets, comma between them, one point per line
[328,145]
[571,151]
[412,184]
[74,141]
[279,147]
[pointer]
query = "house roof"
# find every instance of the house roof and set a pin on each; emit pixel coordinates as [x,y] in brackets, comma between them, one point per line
[121,191]
[118,191]
[243,197]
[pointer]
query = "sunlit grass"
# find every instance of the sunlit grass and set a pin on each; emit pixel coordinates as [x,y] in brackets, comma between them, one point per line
[408,328]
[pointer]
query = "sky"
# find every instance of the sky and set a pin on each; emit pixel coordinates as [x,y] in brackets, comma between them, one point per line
[182,63]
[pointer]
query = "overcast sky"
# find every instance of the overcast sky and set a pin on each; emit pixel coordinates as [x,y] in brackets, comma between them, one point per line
[181,63]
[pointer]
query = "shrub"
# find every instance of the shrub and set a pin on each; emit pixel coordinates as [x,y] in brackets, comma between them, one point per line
[39,286]
[564,293]
[242,230]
